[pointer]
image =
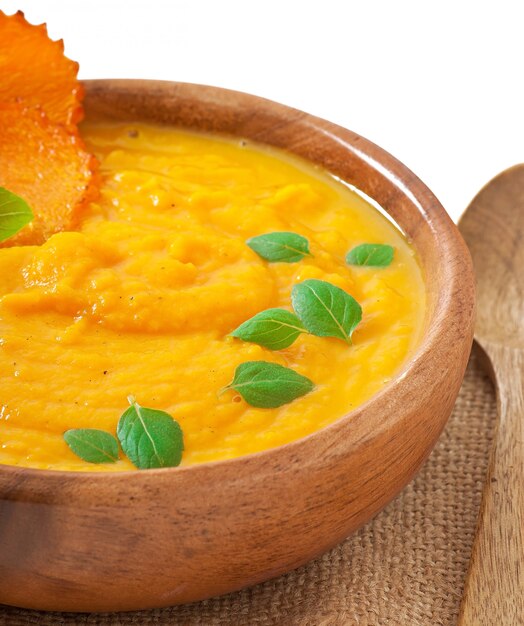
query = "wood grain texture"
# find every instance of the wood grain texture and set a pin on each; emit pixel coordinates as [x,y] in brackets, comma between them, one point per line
[493,226]
[97,542]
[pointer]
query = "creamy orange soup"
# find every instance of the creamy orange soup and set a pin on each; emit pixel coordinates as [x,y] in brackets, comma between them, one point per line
[142,298]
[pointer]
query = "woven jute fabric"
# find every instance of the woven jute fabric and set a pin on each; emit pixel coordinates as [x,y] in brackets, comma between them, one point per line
[406,567]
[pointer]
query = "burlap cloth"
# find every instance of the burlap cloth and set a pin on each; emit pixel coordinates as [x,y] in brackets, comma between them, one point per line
[406,567]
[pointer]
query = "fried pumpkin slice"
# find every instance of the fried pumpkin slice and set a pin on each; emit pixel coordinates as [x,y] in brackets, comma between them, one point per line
[48,166]
[34,70]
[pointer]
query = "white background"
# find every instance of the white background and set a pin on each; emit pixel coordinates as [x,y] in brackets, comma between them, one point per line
[438,84]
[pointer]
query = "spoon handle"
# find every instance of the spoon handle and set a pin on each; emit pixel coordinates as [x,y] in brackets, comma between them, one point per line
[494,591]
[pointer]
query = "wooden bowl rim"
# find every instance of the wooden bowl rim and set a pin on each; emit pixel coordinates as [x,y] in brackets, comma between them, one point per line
[456,269]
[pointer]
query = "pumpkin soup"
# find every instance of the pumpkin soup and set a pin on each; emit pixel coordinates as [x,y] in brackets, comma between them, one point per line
[148,297]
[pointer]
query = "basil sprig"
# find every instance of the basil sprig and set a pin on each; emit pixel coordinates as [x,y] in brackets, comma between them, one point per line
[268,385]
[283,247]
[150,438]
[371,254]
[15,213]
[275,329]
[325,309]
[92,445]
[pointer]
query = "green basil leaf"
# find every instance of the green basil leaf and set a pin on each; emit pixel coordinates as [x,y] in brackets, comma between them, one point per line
[280,247]
[92,445]
[274,329]
[150,438]
[268,385]
[15,213]
[326,310]
[371,254]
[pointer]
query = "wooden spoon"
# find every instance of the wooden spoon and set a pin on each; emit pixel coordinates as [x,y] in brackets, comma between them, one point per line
[493,227]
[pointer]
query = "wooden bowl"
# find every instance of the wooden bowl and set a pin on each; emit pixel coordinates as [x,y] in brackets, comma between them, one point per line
[134,540]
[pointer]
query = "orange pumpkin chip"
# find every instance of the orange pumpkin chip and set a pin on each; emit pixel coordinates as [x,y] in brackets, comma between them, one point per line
[47,165]
[34,70]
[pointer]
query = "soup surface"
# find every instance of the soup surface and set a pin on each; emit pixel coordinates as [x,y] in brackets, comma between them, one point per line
[142,298]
